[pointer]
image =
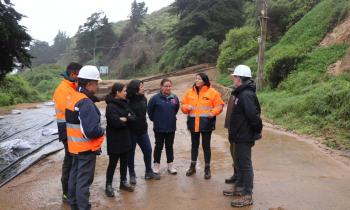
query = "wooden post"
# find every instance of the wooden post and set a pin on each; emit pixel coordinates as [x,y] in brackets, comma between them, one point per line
[262,43]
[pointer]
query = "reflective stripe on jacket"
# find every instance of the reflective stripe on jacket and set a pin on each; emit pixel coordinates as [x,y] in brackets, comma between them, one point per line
[78,141]
[62,93]
[198,106]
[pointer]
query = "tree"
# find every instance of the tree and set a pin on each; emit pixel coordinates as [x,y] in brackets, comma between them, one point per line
[42,53]
[95,36]
[14,40]
[60,44]
[137,16]
[210,19]
[138,13]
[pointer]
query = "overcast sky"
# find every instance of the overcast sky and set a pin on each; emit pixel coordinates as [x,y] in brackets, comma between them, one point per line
[46,17]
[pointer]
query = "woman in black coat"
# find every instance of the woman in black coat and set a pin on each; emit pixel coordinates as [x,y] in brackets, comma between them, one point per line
[118,116]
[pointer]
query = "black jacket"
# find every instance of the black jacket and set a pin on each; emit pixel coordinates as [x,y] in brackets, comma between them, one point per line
[118,134]
[138,104]
[245,123]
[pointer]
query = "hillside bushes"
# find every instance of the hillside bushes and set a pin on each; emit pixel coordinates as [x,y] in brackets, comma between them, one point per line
[239,45]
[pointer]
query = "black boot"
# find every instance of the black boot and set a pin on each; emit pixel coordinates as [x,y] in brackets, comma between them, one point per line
[231,180]
[132,179]
[109,190]
[124,185]
[192,169]
[207,174]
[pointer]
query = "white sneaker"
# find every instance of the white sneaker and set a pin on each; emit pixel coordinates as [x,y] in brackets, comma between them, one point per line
[172,169]
[156,167]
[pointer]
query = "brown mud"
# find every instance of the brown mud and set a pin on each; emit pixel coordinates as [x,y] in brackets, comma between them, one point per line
[290,173]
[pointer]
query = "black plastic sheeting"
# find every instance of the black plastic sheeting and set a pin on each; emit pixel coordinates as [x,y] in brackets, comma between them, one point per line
[26,138]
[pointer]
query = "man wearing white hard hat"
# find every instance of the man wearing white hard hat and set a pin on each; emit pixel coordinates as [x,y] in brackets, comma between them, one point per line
[244,129]
[85,136]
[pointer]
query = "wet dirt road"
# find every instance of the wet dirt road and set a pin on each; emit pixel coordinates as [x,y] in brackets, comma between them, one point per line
[289,174]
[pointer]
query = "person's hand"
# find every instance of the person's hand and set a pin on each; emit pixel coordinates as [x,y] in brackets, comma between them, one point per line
[123,119]
[211,115]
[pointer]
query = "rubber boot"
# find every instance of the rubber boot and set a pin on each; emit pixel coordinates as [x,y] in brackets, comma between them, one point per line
[207,174]
[192,169]
[132,180]
[109,190]
[124,185]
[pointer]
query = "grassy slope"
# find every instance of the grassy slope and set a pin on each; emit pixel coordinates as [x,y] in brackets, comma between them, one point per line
[309,100]
[313,102]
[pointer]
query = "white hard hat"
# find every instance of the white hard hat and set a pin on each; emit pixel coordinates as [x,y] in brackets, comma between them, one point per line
[241,71]
[89,72]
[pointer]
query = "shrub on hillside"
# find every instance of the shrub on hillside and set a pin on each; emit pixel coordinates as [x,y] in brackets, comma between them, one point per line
[312,101]
[239,45]
[44,78]
[14,89]
[198,50]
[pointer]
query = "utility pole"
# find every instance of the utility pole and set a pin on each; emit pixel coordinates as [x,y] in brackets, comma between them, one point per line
[262,43]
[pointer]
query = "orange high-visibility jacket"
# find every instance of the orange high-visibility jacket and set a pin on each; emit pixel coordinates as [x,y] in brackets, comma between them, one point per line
[62,94]
[199,106]
[77,141]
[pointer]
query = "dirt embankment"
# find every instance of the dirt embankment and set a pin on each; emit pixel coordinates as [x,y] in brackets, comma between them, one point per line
[339,35]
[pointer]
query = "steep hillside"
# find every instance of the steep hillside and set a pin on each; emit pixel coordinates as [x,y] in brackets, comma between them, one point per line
[306,98]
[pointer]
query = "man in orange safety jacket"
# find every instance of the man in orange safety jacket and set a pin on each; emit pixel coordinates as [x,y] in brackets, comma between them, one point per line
[62,93]
[85,136]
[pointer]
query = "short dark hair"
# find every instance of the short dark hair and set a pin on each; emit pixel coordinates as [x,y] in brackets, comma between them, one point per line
[83,82]
[164,81]
[73,68]
[244,79]
[117,87]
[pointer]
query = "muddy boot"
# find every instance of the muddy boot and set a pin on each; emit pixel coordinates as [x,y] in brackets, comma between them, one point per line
[151,175]
[124,185]
[230,191]
[132,180]
[192,169]
[231,180]
[241,201]
[109,190]
[207,174]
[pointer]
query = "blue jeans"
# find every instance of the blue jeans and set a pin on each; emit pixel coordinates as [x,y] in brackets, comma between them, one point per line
[146,148]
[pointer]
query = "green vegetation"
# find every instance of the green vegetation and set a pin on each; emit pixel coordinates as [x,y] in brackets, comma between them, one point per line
[14,40]
[239,45]
[14,89]
[301,95]
[311,101]
[44,79]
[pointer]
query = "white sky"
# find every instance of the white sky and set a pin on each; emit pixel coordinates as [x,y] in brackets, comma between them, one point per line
[46,17]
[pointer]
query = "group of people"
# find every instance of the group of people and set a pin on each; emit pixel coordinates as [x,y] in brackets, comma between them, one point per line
[79,126]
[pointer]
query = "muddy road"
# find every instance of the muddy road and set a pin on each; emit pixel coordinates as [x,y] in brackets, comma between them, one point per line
[290,173]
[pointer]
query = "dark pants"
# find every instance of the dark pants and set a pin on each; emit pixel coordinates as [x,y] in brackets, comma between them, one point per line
[168,139]
[113,161]
[80,179]
[195,139]
[66,166]
[145,145]
[234,161]
[245,168]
